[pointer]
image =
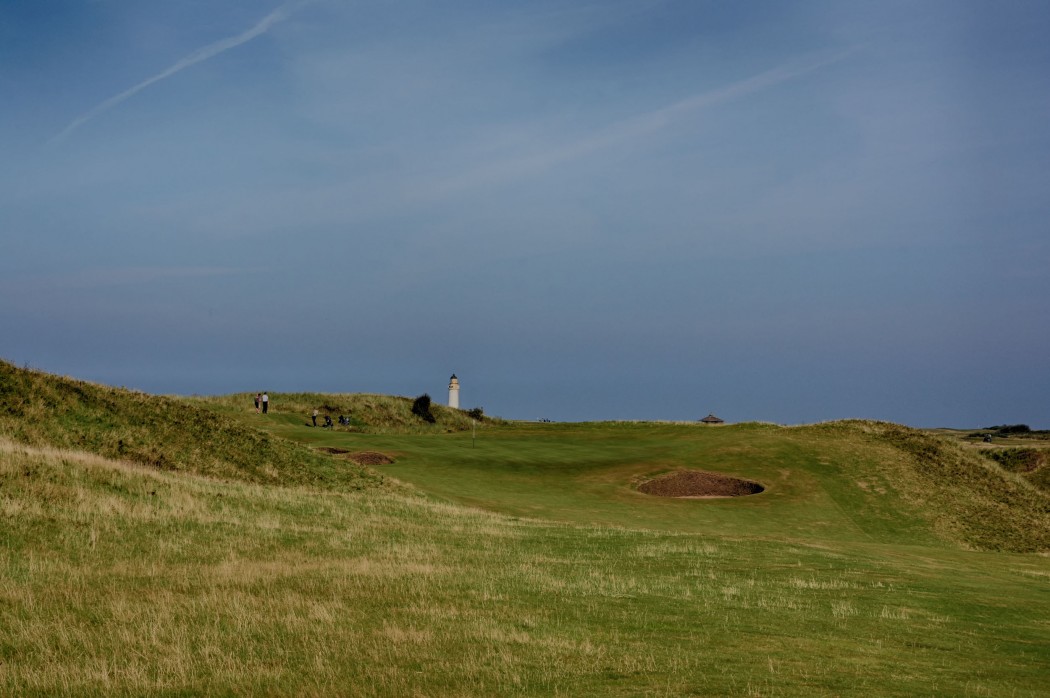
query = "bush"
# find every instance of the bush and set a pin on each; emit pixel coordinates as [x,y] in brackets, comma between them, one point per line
[421,408]
[1006,429]
[476,413]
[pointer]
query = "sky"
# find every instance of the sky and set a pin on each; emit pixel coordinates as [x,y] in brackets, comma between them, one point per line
[626,209]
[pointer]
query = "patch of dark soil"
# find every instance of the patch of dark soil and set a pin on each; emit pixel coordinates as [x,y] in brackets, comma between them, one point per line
[333,451]
[697,483]
[371,458]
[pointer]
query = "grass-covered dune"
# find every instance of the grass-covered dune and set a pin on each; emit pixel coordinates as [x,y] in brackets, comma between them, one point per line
[877,561]
[374,414]
[43,410]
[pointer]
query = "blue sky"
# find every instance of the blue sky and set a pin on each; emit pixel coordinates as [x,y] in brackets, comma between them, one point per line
[632,209]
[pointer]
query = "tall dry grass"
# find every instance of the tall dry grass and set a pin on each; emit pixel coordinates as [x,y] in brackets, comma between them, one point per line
[164,433]
[119,579]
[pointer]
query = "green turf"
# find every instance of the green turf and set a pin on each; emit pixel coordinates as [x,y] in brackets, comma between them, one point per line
[879,561]
[850,481]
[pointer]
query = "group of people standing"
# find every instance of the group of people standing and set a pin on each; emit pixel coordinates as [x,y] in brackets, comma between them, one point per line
[262,401]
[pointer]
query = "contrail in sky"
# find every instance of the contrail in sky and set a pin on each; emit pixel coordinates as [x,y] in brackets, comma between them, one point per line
[638,126]
[198,56]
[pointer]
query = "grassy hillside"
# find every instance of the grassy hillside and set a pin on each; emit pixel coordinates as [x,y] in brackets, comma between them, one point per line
[527,563]
[1033,464]
[1026,453]
[43,410]
[968,497]
[373,414]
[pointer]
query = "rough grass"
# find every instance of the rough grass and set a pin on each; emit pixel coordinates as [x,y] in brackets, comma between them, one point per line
[118,579]
[1033,464]
[851,574]
[166,433]
[374,414]
[966,497]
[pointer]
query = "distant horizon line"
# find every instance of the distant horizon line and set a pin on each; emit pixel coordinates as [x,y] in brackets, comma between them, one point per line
[624,420]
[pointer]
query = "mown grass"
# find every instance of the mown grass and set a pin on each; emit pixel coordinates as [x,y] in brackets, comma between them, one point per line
[849,481]
[119,577]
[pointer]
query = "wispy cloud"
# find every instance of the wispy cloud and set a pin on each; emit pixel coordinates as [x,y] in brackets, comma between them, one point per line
[200,55]
[636,127]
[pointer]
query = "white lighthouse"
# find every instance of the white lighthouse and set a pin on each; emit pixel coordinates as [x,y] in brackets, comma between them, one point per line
[453,392]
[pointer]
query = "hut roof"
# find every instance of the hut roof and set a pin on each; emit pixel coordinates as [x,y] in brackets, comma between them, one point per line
[711,419]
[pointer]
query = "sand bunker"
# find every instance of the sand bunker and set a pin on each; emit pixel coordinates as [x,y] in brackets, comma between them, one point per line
[699,484]
[370,458]
[361,457]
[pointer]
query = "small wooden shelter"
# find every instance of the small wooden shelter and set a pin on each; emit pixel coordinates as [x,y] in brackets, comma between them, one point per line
[711,419]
